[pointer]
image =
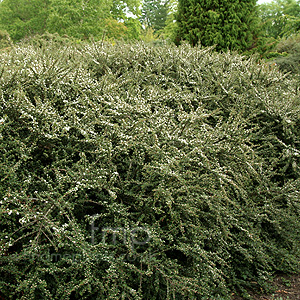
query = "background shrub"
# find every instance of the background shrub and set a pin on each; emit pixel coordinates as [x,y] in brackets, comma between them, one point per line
[5,40]
[193,153]
[287,54]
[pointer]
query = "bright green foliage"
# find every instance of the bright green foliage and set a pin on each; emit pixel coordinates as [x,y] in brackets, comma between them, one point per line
[121,9]
[170,30]
[79,19]
[227,24]
[154,14]
[198,150]
[133,28]
[279,18]
[126,14]
[115,29]
[126,30]
[23,18]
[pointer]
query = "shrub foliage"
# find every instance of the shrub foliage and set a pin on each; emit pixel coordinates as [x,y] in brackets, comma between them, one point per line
[287,54]
[138,172]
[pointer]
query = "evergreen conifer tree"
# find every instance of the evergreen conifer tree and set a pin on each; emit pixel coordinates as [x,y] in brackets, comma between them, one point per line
[228,24]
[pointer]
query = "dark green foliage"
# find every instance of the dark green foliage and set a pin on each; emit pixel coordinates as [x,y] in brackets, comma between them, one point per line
[226,24]
[193,152]
[287,54]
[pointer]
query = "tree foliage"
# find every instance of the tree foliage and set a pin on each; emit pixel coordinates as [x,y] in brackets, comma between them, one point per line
[280,18]
[23,18]
[103,147]
[226,24]
[78,19]
[154,14]
[121,9]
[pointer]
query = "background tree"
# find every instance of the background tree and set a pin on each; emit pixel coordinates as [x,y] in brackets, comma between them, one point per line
[122,10]
[126,14]
[170,30]
[78,18]
[228,24]
[154,14]
[23,17]
[133,28]
[280,18]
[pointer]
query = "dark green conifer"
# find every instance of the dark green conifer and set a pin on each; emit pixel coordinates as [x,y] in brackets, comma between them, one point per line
[228,24]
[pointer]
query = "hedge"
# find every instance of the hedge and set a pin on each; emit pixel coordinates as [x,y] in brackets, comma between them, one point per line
[138,172]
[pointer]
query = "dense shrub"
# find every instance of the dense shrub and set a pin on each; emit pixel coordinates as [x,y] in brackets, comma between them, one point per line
[287,54]
[138,172]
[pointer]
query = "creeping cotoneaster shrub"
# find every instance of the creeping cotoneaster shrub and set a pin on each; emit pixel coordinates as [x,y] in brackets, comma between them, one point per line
[139,172]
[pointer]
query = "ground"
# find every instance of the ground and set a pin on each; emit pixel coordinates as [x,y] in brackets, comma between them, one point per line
[286,287]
